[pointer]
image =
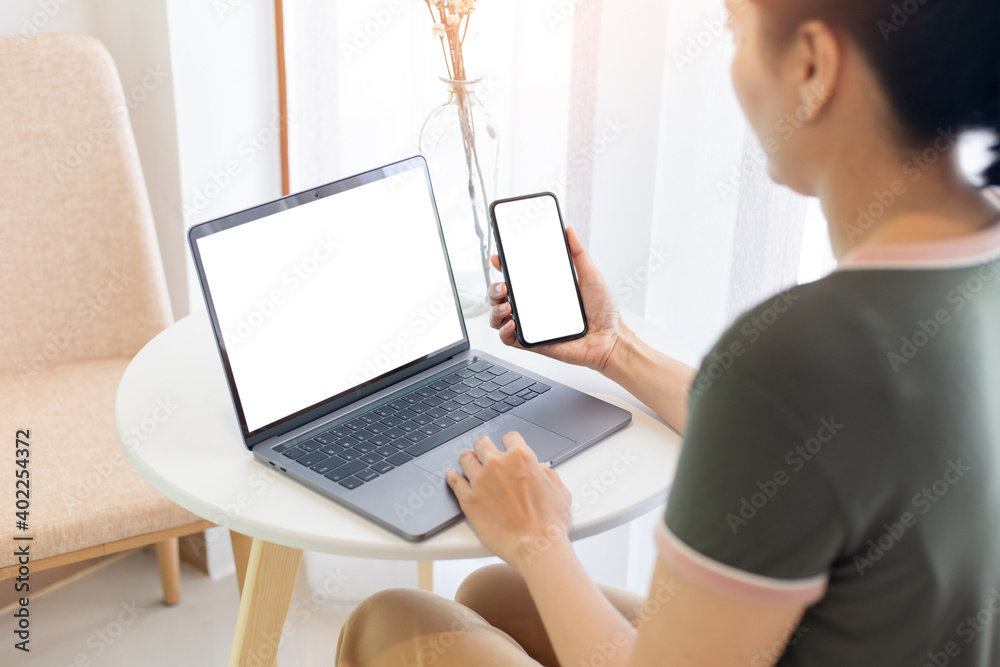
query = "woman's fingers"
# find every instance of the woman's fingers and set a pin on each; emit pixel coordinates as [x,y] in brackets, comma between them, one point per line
[498,294]
[499,314]
[495,261]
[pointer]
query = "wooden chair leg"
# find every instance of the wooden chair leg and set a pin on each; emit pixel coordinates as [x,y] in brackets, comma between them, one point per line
[169,556]
[241,555]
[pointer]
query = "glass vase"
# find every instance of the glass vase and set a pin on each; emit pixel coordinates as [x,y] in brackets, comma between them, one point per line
[459,140]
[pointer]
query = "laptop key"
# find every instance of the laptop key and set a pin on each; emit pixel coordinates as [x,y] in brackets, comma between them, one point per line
[398,405]
[326,466]
[387,450]
[471,409]
[486,415]
[371,457]
[366,475]
[383,411]
[391,421]
[497,370]
[455,415]
[484,402]
[419,407]
[444,422]
[312,445]
[382,467]
[484,376]
[423,420]
[540,388]
[349,441]
[370,417]
[408,427]
[436,413]
[451,379]
[393,433]
[376,427]
[355,424]
[441,437]
[506,378]
[502,407]
[340,431]
[472,382]
[514,400]
[465,373]
[464,399]
[439,385]
[349,454]
[294,453]
[379,440]
[426,392]
[413,397]
[480,366]
[416,436]
[399,458]
[517,385]
[332,449]
[448,406]
[311,459]
[528,395]
[497,395]
[446,395]
[280,448]
[489,386]
[363,434]
[430,429]
[475,393]
[325,438]
[365,447]
[401,443]
[351,482]
[345,470]
[433,401]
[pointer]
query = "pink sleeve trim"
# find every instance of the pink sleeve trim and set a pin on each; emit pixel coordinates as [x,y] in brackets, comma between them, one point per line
[733,582]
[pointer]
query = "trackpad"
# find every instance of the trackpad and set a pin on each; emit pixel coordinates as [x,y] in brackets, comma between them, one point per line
[546,444]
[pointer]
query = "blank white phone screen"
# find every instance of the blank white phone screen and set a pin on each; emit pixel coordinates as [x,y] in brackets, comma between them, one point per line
[539,269]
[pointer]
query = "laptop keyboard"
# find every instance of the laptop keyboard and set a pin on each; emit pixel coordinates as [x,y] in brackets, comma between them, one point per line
[364,446]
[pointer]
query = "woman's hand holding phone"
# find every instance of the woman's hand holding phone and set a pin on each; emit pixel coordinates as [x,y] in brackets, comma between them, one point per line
[605,331]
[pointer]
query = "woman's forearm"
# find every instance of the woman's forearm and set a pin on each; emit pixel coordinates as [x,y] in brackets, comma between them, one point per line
[583,626]
[659,381]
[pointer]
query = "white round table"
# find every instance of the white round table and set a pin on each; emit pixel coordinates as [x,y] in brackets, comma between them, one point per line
[178,427]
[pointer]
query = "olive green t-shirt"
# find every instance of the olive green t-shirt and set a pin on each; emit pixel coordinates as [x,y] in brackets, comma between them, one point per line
[843,453]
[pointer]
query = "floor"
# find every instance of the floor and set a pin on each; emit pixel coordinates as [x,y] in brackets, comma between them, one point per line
[116,618]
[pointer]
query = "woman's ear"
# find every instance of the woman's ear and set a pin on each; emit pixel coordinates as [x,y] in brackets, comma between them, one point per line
[817,68]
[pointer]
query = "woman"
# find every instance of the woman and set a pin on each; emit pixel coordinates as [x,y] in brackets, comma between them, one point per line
[837,497]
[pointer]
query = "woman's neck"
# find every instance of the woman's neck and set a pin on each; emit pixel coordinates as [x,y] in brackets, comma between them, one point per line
[893,202]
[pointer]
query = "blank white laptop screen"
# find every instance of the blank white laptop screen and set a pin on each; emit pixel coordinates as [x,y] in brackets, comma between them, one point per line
[320,298]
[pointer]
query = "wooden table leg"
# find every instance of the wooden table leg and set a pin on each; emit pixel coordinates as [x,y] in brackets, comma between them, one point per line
[425,575]
[267,593]
[241,555]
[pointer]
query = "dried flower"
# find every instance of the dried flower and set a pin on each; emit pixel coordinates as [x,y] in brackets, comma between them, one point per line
[438,30]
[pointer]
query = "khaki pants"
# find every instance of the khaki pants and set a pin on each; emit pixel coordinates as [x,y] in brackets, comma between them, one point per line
[492,623]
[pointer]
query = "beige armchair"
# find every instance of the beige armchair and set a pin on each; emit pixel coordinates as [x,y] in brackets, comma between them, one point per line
[81,291]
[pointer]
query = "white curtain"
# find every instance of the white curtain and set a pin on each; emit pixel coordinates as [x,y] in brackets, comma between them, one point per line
[624,109]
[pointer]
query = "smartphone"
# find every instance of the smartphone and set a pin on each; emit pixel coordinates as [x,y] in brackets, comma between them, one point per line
[541,280]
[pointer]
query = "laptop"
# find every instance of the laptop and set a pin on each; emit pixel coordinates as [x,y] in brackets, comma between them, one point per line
[339,328]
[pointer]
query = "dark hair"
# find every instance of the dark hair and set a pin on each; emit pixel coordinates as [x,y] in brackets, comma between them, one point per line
[937,60]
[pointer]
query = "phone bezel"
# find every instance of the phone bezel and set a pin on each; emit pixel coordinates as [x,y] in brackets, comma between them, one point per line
[506,276]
